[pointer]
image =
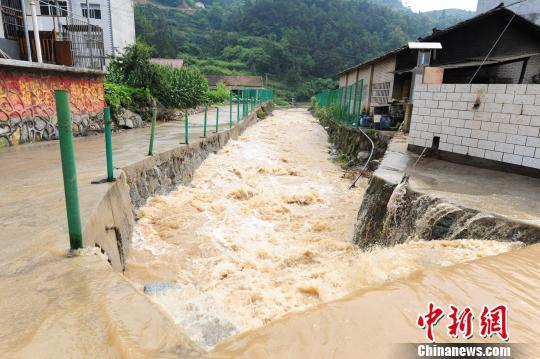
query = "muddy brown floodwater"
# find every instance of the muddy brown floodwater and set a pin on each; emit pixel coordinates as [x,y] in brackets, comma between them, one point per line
[265,229]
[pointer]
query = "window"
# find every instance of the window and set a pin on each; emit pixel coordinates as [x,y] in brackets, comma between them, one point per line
[53,8]
[95,11]
[381,93]
[12,19]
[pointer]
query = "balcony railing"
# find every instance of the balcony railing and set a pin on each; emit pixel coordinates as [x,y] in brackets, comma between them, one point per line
[69,40]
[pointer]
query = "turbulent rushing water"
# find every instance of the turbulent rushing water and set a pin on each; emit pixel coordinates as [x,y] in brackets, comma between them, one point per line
[265,230]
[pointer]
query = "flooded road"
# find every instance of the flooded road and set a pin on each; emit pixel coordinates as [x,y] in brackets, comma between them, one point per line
[264,230]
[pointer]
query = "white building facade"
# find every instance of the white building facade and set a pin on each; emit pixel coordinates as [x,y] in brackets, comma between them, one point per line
[115,18]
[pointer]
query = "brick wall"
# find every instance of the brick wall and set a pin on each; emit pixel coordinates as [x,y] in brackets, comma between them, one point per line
[493,122]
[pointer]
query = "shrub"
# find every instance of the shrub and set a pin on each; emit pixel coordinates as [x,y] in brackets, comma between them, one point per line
[120,96]
[219,95]
[134,68]
[181,88]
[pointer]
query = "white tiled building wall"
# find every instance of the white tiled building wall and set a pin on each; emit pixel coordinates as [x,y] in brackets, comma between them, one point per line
[504,126]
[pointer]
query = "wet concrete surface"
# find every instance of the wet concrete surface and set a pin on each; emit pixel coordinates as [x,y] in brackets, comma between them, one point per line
[508,195]
[43,290]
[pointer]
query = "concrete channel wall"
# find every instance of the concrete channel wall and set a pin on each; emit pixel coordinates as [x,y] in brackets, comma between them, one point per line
[393,210]
[351,142]
[110,225]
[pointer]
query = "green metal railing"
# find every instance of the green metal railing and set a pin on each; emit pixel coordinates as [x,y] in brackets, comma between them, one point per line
[247,100]
[344,102]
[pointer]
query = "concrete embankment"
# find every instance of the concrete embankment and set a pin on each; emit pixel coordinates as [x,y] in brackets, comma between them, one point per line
[434,200]
[110,225]
[352,143]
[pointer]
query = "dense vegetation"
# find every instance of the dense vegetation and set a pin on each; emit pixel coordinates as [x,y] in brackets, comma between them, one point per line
[133,77]
[298,42]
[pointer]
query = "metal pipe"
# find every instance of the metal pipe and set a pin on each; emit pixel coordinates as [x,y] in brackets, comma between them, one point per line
[108,144]
[26,35]
[69,170]
[36,32]
[89,34]
[369,159]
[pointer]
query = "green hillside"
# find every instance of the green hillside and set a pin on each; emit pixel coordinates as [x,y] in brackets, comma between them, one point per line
[297,42]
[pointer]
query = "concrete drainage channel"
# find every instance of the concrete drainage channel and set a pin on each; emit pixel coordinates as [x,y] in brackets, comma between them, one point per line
[392,212]
[110,226]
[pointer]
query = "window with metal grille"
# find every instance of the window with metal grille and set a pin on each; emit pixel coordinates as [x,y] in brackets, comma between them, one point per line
[11,18]
[95,11]
[53,8]
[381,93]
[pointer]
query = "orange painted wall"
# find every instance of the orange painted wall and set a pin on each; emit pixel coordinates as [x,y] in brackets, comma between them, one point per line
[27,106]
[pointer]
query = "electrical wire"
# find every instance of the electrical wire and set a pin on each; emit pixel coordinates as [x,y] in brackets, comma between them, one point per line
[492,48]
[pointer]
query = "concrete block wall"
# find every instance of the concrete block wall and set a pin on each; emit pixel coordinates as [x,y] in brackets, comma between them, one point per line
[494,122]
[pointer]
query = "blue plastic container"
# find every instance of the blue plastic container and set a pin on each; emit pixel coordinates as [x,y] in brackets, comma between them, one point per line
[365,121]
[386,122]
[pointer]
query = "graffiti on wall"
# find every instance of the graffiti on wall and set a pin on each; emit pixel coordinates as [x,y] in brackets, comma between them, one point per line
[28,110]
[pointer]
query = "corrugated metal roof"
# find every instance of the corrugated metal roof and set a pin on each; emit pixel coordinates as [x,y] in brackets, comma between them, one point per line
[376,59]
[434,36]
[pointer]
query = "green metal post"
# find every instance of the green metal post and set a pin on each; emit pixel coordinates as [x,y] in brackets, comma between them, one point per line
[108,144]
[242,106]
[217,119]
[69,170]
[186,129]
[246,108]
[152,132]
[360,97]
[355,98]
[230,109]
[238,107]
[205,120]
